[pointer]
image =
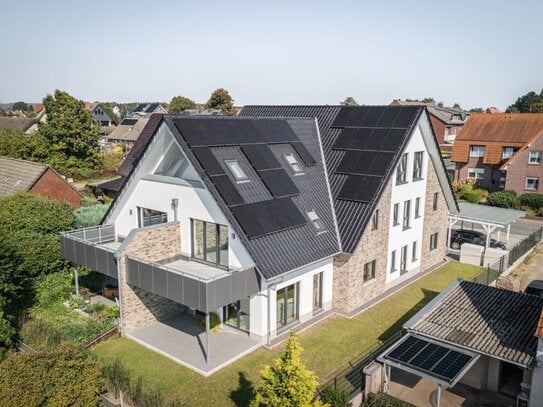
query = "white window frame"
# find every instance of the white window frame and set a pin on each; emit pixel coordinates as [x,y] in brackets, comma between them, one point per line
[294,164]
[534,180]
[477,151]
[406,223]
[395,214]
[401,171]
[403,258]
[235,169]
[393,261]
[418,160]
[507,152]
[534,157]
[316,221]
[476,173]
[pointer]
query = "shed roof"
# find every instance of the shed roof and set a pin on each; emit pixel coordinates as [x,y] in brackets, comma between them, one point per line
[488,214]
[492,321]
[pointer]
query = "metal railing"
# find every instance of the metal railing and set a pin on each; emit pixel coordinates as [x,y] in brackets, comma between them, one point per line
[93,235]
[496,269]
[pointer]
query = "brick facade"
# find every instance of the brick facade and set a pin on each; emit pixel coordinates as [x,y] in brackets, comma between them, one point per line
[140,308]
[51,185]
[519,169]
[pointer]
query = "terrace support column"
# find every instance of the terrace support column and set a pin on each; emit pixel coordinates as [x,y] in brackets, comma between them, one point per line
[207,338]
[508,230]
[438,397]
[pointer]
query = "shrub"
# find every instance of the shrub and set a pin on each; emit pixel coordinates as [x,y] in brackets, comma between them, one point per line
[214,322]
[335,397]
[503,199]
[473,196]
[510,192]
[87,216]
[532,201]
[384,400]
[53,288]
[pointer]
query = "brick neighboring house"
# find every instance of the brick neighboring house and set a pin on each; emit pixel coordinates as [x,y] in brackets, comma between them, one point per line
[40,179]
[501,151]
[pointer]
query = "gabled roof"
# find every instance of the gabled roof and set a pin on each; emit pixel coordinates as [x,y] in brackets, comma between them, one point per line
[18,175]
[362,146]
[16,123]
[269,212]
[146,109]
[496,131]
[492,321]
[129,129]
[448,115]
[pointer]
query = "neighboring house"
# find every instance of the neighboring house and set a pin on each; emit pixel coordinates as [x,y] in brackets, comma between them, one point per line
[501,151]
[40,179]
[127,132]
[147,109]
[483,337]
[26,124]
[103,115]
[202,111]
[391,194]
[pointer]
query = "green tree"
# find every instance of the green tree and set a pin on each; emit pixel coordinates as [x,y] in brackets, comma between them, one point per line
[457,106]
[71,135]
[288,383]
[221,99]
[21,106]
[349,101]
[63,376]
[15,143]
[476,110]
[179,104]
[528,103]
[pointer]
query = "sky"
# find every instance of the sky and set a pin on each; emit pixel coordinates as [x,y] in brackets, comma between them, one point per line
[475,53]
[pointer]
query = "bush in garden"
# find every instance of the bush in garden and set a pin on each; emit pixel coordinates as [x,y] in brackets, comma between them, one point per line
[214,322]
[384,400]
[532,201]
[503,199]
[335,397]
[87,216]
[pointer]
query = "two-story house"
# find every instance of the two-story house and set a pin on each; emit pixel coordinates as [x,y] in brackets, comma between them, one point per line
[501,151]
[267,221]
[147,109]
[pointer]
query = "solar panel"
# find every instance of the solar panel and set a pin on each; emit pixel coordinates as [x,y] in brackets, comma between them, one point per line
[260,156]
[275,131]
[227,190]
[151,107]
[279,183]
[265,217]
[208,161]
[380,139]
[304,153]
[129,122]
[365,163]
[360,188]
[431,358]
[139,107]
[376,116]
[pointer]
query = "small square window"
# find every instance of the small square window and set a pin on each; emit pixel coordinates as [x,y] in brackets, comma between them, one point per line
[236,170]
[315,220]
[535,157]
[294,164]
[369,271]
[477,151]
[532,183]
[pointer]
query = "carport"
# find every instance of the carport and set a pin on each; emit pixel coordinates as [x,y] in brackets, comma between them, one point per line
[489,217]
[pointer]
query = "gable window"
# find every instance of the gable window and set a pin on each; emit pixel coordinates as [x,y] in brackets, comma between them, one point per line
[434,202]
[417,207]
[369,271]
[417,165]
[433,241]
[236,170]
[535,157]
[476,173]
[315,220]
[403,259]
[477,151]
[148,217]
[507,152]
[532,183]
[375,220]
[401,172]
[210,242]
[396,214]
[414,252]
[294,164]
[406,215]
[393,261]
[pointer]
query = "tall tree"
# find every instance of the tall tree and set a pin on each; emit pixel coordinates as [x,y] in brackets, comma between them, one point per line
[287,383]
[71,134]
[349,101]
[179,104]
[528,103]
[21,106]
[221,99]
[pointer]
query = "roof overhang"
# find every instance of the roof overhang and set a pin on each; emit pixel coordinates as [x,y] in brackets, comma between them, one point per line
[487,215]
[430,359]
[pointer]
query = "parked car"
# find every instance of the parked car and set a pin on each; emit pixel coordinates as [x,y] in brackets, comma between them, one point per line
[461,236]
[535,288]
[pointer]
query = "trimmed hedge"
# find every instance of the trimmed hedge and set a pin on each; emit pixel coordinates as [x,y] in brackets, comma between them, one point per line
[384,400]
[335,397]
[532,201]
[503,199]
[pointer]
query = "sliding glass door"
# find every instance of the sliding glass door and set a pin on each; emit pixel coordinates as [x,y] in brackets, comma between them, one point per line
[286,306]
[237,314]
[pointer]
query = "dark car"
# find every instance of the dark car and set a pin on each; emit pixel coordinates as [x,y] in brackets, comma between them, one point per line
[461,236]
[535,288]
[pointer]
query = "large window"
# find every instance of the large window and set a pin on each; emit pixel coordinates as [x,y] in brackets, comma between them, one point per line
[407,215]
[417,165]
[317,292]
[401,172]
[403,259]
[535,157]
[532,183]
[396,214]
[148,217]
[414,252]
[287,305]
[477,151]
[476,173]
[507,152]
[393,261]
[210,242]
[369,270]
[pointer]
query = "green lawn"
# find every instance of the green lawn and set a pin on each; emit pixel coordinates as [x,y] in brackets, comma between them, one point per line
[328,346]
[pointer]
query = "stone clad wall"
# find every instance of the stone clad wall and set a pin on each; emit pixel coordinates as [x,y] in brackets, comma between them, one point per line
[140,308]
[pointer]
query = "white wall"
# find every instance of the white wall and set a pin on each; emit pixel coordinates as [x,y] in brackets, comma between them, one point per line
[536,391]
[401,193]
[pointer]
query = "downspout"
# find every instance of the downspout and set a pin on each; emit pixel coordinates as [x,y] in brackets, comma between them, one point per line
[119,301]
[268,341]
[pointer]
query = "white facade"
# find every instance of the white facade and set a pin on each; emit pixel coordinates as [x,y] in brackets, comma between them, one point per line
[409,191]
[146,189]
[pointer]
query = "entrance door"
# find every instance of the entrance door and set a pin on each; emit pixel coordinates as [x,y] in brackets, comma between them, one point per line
[237,314]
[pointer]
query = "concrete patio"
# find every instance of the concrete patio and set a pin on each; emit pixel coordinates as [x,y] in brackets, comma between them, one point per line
[181,339]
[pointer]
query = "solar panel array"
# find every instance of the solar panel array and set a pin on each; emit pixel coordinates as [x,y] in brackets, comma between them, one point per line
[254,138]
[129,122]
[430,358]
[139,108]
[151,108]
[371,139]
